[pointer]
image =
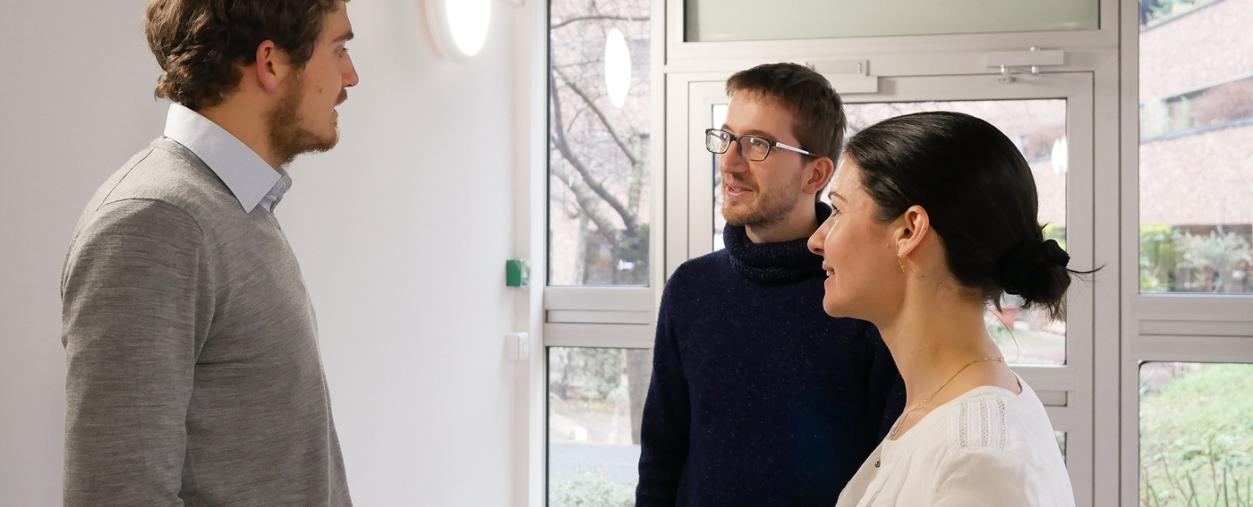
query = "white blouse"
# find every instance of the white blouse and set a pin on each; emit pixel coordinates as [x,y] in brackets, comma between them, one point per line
[988,446]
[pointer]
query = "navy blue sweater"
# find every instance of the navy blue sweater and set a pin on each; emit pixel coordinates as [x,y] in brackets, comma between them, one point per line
[757,396]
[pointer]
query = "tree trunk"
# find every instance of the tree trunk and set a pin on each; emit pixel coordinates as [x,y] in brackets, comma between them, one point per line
[639,373]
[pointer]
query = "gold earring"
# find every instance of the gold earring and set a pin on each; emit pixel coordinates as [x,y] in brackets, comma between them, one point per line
[900,262]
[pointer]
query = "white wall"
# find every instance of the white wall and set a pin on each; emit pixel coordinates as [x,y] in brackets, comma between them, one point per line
[75,102]
[401,232]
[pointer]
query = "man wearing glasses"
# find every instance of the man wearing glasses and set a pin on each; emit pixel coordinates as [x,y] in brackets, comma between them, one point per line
[757,396]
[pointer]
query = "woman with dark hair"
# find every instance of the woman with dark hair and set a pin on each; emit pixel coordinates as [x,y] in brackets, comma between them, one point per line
[934,217]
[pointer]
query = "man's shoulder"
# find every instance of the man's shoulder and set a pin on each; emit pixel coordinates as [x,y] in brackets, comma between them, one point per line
[699,268]
[163,172]
[161,186]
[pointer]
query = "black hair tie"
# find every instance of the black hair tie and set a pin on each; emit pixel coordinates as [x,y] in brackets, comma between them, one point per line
[1028,257]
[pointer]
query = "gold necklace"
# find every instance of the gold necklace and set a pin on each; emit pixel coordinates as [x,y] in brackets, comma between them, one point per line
[896,430]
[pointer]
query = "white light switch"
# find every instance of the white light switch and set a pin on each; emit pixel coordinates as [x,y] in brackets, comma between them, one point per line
[519,346]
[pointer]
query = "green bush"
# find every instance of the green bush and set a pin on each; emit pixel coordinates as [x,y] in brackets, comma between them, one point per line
[1158,257]
[1196,439]
[1056,233]
[1172,259]
[592,489]
[587,374]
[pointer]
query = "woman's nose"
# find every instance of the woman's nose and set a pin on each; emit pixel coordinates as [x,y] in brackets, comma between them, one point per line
[818,237]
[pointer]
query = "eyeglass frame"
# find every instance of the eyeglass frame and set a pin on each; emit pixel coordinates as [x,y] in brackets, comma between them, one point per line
[739,146]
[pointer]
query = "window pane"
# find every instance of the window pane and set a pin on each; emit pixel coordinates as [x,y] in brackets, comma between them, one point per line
[599,117]
[1196,146]
[739,20]
[1196,438]
[595,401]
[1038,127]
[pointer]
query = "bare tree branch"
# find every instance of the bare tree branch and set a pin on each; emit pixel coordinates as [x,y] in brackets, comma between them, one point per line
[636,179]
[599,114]
[577,19]
[586,200]
[580,64]
[578,113]
[559,139]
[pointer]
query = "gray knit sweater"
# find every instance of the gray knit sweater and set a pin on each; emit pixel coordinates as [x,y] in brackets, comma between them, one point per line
[193,369]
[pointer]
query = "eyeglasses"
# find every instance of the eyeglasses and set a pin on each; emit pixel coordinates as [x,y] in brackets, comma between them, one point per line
[717,141]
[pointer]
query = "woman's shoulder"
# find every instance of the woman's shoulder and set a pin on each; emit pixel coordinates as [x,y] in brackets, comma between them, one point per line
[987,419]
[989,446]
[981,419]
[993,418]
[1001,445]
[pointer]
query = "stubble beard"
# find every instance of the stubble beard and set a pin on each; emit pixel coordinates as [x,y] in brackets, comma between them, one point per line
[764,211]
[288,138]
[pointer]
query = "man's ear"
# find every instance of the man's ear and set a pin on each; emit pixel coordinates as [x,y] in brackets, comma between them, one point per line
[271,66]
[818,175]
[912,227]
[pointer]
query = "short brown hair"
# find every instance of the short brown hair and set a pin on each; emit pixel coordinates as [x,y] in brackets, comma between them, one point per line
[818,121]
[200,44]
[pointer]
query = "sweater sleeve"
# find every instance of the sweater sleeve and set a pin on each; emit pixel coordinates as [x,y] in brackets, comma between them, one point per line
[666,419]
[135,299]
[885,389]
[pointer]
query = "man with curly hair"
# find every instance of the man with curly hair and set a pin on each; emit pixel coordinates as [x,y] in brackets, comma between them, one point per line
[193,373]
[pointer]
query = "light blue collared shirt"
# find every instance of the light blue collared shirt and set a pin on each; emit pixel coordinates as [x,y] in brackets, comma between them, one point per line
[246,174]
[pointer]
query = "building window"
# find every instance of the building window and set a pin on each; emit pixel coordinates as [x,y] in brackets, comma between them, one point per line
[1218,106]
[1156,12]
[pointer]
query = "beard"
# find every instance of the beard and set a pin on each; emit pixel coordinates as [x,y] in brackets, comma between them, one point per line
[288,137]
[765,210]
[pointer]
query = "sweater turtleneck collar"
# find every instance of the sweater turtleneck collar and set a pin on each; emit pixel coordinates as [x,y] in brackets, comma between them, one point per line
[778,263]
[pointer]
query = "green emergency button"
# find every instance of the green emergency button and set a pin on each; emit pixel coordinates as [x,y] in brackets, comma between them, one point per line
[517,273]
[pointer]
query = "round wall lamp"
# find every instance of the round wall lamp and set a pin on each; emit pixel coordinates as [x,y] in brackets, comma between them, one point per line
[459,27]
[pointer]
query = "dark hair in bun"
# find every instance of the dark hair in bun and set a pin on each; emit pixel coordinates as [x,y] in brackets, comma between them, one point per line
[981,198]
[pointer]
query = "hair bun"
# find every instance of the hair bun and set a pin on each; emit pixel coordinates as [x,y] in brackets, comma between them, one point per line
[1025,260]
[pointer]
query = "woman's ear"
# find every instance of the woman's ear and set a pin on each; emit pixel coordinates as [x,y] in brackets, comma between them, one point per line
[912,227]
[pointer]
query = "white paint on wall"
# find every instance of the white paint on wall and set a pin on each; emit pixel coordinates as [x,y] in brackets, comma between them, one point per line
[401,232]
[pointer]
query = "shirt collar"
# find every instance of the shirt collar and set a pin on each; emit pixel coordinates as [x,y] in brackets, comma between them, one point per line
[245,173]
[276,193]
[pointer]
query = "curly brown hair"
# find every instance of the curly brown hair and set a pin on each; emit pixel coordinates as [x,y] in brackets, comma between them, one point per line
[200,44]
